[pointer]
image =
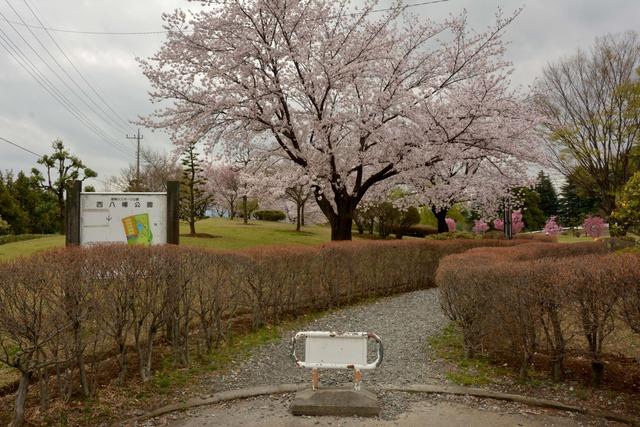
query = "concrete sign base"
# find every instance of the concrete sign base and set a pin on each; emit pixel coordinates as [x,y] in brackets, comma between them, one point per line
[344,402]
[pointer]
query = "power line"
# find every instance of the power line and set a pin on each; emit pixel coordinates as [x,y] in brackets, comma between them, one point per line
[93,89]
[55,61]
[20,147]
[23,60]
[146,33]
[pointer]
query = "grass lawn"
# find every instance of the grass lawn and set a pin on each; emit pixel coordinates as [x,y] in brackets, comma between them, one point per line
[227,235]
[236,235]
[572,239]
[27,247]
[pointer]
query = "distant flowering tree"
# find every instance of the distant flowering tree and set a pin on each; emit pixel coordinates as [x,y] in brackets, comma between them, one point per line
[480,227]
[593,226]
[451,224]
[517,224]
[551,228]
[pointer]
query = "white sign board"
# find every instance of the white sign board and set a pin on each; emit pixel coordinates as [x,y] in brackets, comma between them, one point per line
[337,350]
[134,218]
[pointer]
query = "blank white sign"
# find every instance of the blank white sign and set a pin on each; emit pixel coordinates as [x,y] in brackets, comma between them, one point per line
[347,350]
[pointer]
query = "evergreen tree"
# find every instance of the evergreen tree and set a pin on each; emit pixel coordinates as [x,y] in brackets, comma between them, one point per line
[40,205]
[194,201]
[532,215]
[10,209]
[62,168]
[548,195]
[575,205]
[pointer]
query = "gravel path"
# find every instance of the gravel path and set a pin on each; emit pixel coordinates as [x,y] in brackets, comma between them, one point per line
[404,322]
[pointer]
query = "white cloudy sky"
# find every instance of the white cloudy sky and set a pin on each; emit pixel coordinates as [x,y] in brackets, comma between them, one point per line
[545,31]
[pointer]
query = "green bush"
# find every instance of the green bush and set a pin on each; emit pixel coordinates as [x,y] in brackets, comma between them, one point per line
[626,217]
[11,238]
[4,226]
[420,231]
[269,215]
[453,235]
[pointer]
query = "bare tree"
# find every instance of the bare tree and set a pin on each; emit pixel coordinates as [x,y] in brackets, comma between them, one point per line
[224,183]
[155,170]
[590,133]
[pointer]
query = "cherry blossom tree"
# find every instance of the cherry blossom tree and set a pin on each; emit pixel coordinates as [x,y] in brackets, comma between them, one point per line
[224,184]
[480,226]
[551,228]
[346,97]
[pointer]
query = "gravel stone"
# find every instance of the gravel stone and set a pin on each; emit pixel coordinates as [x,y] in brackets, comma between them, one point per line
[404,322]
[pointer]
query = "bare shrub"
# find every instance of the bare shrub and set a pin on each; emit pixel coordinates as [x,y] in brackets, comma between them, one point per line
[595,293]
[630,288]
[30,322]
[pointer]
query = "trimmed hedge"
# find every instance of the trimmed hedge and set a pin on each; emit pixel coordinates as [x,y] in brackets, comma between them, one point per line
[513,303]
[269,215]
[67,308]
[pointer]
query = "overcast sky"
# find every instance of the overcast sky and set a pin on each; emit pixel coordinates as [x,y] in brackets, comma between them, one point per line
[29,116]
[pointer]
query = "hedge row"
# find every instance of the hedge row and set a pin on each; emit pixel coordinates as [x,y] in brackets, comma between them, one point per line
[64,310]
[513,303]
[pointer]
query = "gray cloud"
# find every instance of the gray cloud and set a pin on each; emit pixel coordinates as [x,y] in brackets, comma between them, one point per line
[545,31]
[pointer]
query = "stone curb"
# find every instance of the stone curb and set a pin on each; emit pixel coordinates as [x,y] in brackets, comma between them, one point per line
[489,394]
[245,393]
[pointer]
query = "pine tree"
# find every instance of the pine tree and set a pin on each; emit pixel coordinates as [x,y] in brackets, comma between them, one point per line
[532,215]
[194,201]
[548,195]
[575,206]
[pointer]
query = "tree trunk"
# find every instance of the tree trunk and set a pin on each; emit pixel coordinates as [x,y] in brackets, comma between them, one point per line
[192,225]
[441,216]
[62,216]
[302,212]
[298,212]
[21,397]
[597,372]
[244,209]
[341,225]
[341,219]
[558,368]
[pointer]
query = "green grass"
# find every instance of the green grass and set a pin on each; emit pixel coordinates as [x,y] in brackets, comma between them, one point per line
[572,239]
[448,345]
[28,247]
[227,235]
[236,235]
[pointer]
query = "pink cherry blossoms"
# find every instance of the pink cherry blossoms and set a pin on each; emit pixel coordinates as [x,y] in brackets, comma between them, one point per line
[593,226]
[451,224]
[480,227]
[551,228]
[349,100]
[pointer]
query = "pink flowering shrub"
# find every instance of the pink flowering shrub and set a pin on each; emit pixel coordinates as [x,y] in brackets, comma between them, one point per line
[593,226]
[480,226]
[517,224]
[551,228]
[451,224]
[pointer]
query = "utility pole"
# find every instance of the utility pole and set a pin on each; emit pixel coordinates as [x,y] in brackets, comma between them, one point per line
[137,137]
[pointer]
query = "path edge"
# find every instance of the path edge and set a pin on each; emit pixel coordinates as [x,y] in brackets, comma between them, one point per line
[248,392]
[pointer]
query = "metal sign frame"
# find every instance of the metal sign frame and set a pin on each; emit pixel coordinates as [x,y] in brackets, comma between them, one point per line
[74,223]
[350,364]
[332,342]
